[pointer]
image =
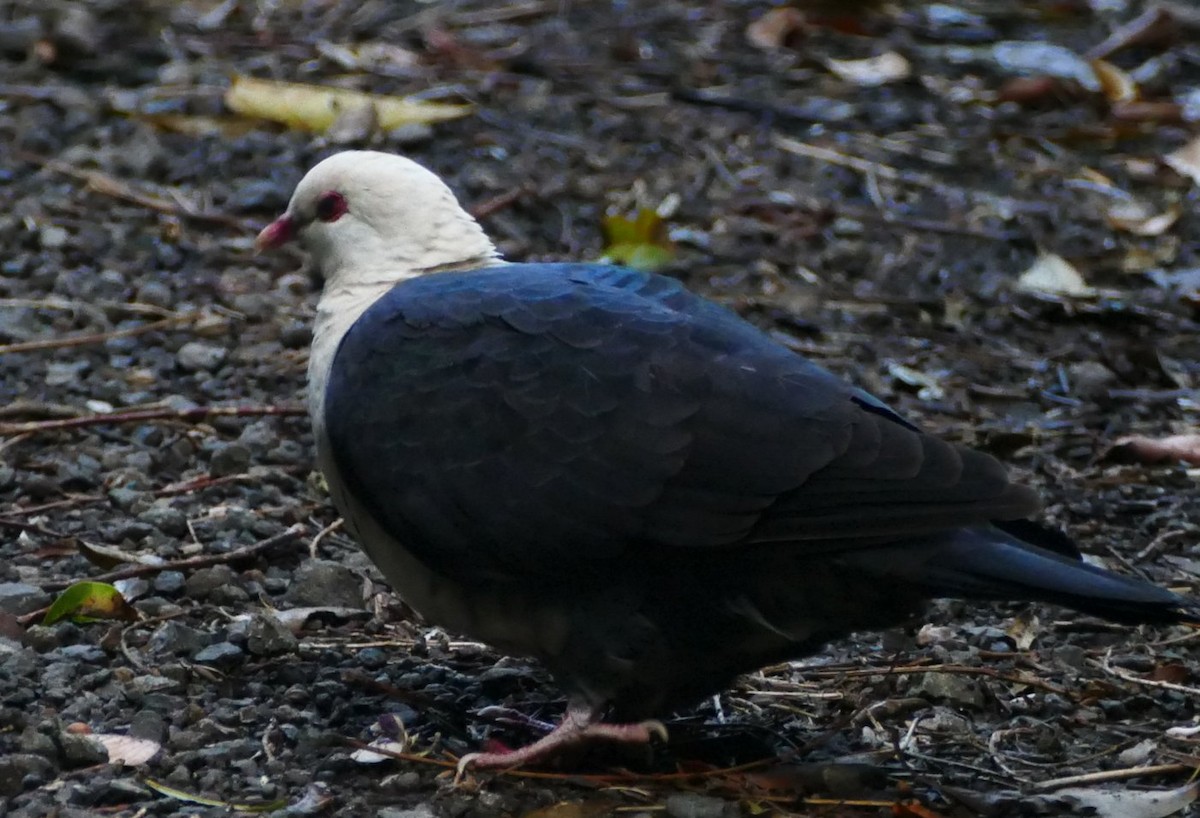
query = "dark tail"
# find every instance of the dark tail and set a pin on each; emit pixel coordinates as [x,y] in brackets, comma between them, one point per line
[987,563]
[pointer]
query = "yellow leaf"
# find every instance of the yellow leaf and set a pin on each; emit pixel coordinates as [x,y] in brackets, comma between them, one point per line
[194,125]
[316,107]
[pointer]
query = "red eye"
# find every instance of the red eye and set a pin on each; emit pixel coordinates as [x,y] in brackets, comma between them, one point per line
[331,206]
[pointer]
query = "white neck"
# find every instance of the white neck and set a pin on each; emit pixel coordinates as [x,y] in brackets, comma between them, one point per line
[338,309]
[341,304]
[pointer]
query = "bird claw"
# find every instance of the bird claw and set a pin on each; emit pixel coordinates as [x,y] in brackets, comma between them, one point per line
[656,729]
[464,763]
[568,733]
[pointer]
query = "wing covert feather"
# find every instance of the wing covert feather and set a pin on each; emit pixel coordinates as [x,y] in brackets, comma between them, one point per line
[541,419]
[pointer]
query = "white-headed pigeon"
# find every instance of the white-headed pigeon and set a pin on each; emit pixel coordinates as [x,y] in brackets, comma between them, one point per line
[592,466]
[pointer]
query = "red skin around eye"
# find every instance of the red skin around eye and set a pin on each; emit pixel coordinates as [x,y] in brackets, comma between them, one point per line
[331,206]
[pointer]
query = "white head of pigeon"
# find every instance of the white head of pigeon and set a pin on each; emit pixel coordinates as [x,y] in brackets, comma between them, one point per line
[367,217]
[368,221]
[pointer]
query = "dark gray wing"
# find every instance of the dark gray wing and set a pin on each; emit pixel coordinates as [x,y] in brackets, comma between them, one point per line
[536,420]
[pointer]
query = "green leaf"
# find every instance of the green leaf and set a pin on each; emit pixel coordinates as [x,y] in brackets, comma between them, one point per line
[87,601]
[640,242]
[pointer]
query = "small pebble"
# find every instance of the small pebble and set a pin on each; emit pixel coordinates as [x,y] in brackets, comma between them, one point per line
[167,519]
[148,725]
[19,598]
[229,458]
[197,356]
[420,811]
[39,486]
[325,583]
[169,582]
[80,750]
[267,636]
[21,771]
[53,237]
[296,336]
[949,688]
[84,653]
[41,638]
[156,293]
[205,581]
[176,638]
[36,742]
[221,654]
[695,805]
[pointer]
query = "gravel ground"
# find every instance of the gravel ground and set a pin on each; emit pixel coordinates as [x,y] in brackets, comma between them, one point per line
[152,374]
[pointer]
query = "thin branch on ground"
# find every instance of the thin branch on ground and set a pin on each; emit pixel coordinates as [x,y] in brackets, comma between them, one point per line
[191,415]
[322,534]
[188,563]
[1104,776]
[93,338]
[107,185]
[1107,666]
[966,670]
[94,308]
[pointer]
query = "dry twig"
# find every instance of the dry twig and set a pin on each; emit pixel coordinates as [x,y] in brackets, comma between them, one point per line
[109,186]
[97,337]
[1107,666]
[192,415]
[189,563]
[1112,775]
[966,670]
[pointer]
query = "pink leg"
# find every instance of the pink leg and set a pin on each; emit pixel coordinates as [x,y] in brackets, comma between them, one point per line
[578,726]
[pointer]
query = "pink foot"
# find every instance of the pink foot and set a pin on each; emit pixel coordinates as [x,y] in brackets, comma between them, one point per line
[578,726]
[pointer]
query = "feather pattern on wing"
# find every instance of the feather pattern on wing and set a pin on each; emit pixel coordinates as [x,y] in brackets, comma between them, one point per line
[534,420]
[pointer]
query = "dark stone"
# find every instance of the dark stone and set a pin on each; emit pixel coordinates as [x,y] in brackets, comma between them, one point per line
[221,654]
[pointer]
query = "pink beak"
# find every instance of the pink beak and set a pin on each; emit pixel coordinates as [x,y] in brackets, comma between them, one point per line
[276,234]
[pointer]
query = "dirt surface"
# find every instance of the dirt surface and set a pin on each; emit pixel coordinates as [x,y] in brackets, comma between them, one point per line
[881,229]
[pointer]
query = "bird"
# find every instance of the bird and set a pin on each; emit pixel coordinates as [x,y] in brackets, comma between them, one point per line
[595,467]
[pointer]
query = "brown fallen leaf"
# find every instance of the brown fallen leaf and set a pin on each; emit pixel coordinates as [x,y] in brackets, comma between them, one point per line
[1024,630]
[1032,90]
[1140,449]
[1115,83]
[1159,110]
[912,809]
[1174,672]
